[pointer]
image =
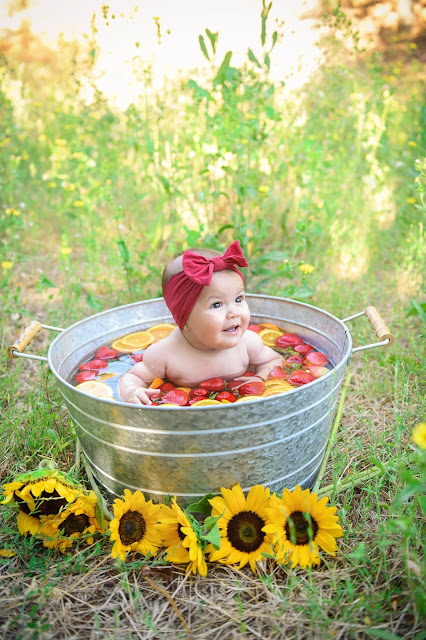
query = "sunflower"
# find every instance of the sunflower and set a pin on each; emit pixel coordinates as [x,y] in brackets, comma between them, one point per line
[419,435]
[135,525]
[77,521]
[27,523]
[243,538]
[302,524]
[42,492]
[181,540]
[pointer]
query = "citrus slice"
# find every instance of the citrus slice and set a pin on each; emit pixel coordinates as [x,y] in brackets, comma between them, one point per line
[206,402]
[157,382]
[244,398]
[269,336]
[277,384]
[160,331]
[138,340]
[118,345]
[269,325]
[96,388]
[187,389]
[107,376]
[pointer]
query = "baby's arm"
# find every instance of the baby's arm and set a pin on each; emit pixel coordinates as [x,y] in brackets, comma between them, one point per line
[133,384]
[262,358]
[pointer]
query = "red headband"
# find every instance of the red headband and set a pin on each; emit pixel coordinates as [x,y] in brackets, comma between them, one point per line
[183,289]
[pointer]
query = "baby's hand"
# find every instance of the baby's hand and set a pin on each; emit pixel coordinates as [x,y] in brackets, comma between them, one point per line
[140,395]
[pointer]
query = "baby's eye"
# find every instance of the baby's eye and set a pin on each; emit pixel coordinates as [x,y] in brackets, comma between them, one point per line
[239,299]
[216,305]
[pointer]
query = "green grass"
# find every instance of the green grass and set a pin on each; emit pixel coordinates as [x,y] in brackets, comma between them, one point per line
[93,201]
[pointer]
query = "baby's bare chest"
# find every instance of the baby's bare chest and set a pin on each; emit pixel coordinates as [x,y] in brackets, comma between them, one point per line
[188,368]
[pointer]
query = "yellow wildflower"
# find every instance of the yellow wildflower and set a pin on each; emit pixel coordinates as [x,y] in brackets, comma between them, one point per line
[6,265]
[263,189]
[12,212]
[419,435]
[411,201]
[78,203]
[306,268]
[65,251]
[411,143]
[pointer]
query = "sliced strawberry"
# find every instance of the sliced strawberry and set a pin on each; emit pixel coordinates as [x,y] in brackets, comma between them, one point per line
[137,357]
[248,374]
[316,358]
[85,375]
[213,384]
[303,348]
[226,395]
[278,373]
[234,384]
[294,359]
[299,377]
[199,393]
[106,353]
[254,327]
[166,387]
[317,371]
[251,389]
[176,396]
[288,340]
[93,365]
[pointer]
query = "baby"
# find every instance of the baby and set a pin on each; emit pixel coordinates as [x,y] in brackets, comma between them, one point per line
[204,291]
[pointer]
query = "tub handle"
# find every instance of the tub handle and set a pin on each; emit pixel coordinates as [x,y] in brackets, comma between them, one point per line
[16,350]
[379,326]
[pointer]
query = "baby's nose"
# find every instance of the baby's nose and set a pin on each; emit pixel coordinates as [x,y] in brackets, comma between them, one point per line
[233,311]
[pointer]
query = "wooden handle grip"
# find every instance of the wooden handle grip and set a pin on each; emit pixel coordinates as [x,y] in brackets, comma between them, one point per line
[378,324]
[24,339]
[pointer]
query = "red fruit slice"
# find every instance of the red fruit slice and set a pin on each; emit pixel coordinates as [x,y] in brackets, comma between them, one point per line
[278,373]
[251,389]
[176,396]
[106,353]
[303,348]
[199,393]
[288,340]
[294,359]
[226,395]
[234,384]
[137,357]
[93,365]
[317,358]
[166,387]
[254,327]
[317,371]
[213,384]
[299,377]
[248,374]
[85,375]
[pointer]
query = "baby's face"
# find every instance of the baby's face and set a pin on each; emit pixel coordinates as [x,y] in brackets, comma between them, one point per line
[220,315]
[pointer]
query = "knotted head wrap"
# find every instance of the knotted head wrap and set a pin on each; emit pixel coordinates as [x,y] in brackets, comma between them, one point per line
[183,289]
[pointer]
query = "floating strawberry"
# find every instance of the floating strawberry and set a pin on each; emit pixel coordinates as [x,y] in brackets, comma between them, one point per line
[278,373]
[166,387]
[85,375]
[317,358]
[251,389]
[248,374]
[294,359]
[303,348]
[93,365]
[106,353]
[137,357]
[199,393]
[299,377]
[176,396]
[234,384]
[288,340]
[254,327]
[213,384]
[317,371]
[226,395]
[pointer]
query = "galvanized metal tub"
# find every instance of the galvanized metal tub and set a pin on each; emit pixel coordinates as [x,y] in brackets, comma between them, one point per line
[278,441]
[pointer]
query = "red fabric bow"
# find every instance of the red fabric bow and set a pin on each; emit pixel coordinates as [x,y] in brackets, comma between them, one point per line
[183,290]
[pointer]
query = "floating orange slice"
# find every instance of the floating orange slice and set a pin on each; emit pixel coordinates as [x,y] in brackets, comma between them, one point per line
[269,336]
[160,331]
[138,340]
[96,388]
[118,345]
[107,376]
[278,384]
[269,325]
[206,402]
[187,389]
[157,382]
[244,398]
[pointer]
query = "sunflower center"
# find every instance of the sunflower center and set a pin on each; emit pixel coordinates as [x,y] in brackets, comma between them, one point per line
[132,527]
[299,529]
[245,531]
[181,535]
[75,524]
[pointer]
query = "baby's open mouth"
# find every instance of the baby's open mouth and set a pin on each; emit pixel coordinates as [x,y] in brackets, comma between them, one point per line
[231,329]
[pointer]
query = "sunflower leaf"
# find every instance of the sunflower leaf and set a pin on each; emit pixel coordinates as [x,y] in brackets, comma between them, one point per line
[213,536]
[202,506]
